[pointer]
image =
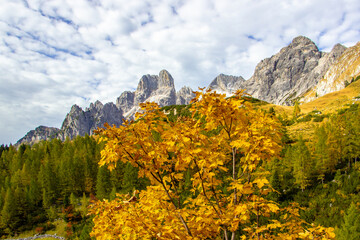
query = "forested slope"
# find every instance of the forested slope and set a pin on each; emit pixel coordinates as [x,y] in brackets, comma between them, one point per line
[320,171]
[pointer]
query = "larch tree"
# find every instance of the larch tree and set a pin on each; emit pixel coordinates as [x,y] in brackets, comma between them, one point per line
[224,145]
[8,212]
[297,110]
[302,164]
[320,152]
[350,229]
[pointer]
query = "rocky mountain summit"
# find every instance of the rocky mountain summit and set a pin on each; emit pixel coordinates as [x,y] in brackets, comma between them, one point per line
[151,88]
[226,84]
[184,96]
[40,133]
[80,122]
[299,71]
[290,73]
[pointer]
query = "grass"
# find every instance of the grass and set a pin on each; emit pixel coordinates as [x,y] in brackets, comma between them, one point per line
[59,231]
[60,228]
[327,104]
[331,102]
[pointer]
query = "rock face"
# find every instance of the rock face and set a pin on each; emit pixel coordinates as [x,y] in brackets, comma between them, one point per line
[126,101]
[40,133]
[291,72]
[226,84]
[151,88]
[79,122]
[184,96]
[343,69]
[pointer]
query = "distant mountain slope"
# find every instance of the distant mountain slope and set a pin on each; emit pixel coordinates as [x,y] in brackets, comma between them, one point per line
[78,122]
[345,69]
[38,134]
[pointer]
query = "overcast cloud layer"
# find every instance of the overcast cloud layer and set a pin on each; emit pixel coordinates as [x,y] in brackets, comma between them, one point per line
[56,53]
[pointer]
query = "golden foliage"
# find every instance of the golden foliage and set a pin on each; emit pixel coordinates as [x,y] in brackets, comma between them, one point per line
[223,145]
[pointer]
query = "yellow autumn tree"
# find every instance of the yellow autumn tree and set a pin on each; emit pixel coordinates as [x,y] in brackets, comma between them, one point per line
[223,146]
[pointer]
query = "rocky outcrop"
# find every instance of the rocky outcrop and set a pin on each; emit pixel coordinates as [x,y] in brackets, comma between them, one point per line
[226,84]
[79,122]
[184,96]
[343,69]
[126,101]
[151,88]
[291,72]
[40,133]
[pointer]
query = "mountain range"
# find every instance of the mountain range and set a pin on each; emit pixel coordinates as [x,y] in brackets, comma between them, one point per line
[298,72]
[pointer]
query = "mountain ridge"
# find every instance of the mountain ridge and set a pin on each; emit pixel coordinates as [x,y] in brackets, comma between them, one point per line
[287,76]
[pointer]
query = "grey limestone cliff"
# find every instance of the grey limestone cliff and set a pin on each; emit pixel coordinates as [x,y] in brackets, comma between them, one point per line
[151,88]
[291,72]
[226,84]
[184,96]
[38,134]
[126,101]
[80,122]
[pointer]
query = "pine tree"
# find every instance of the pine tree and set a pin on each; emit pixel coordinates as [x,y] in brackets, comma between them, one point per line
[334,142]
[34,193]
[103,185]
[47,178]
[351,142]
[130,180]
[275,183]
[112,194]
[350,229]
[8,212]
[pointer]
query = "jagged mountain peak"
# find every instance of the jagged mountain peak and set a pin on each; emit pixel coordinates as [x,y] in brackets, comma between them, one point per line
[226,83]
[338,48]
[149,82]
[75,108]
[291,72]
[166,80]
[301,40]
[184,95]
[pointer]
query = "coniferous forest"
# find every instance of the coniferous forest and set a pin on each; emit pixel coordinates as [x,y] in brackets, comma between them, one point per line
[54,180]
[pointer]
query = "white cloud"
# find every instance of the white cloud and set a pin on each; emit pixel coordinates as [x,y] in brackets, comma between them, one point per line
[55,53]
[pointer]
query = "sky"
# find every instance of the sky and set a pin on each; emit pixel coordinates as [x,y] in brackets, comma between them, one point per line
[56,53]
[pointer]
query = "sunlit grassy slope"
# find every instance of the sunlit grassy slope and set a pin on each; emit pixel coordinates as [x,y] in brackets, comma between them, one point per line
[326,104]
[331,102]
